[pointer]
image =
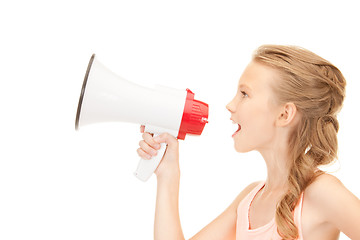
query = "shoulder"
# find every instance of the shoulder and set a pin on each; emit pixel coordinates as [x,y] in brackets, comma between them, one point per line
[248,189]
[328,196]
[324,183]
[244,193]
[324,189]
[332,203]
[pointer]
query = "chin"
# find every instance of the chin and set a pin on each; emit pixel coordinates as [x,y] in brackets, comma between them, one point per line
[242,148]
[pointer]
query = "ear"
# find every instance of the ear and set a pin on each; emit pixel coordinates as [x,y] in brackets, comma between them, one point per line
[287,115]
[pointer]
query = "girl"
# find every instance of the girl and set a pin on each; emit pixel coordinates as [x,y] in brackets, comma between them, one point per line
[285,108]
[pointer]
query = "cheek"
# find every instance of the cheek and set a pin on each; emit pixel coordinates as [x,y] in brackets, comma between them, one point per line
[264,123]
[256,118]
[257,130]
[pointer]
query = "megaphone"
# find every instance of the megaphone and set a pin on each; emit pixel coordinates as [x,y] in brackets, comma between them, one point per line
[107,97]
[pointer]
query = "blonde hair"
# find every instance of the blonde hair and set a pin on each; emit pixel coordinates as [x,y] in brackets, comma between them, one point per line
[317,88]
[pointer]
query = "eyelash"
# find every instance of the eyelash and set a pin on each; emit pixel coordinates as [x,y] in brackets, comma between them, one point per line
[244,94]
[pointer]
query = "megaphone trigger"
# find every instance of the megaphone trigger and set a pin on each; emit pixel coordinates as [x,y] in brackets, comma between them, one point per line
[147,167]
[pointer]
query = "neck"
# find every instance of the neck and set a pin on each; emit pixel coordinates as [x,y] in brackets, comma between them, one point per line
[277,170]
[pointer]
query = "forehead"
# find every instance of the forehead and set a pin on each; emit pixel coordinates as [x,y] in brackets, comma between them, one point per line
[257,77]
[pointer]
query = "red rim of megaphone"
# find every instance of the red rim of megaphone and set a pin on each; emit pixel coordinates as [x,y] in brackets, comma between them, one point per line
[195,116]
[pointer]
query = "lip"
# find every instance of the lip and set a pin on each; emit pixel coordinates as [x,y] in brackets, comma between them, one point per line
[239,128]
[237,131]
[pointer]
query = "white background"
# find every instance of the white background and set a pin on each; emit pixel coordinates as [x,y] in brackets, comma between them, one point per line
[56,183]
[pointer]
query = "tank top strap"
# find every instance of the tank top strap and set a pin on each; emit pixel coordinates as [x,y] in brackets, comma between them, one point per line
[251,195]
[297,215]
[244,207]
[268,231]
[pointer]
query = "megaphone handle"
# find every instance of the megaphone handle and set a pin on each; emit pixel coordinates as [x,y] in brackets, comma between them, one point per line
[147,167]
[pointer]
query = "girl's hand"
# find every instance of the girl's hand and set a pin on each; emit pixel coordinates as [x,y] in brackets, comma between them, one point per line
[169,165]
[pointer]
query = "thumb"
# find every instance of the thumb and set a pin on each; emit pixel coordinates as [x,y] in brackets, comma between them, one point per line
[167,138]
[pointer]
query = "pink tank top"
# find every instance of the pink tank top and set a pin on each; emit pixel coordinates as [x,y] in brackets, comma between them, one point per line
[269,230]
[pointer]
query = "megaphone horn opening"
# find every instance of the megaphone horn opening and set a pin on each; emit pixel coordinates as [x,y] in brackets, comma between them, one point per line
[83,92]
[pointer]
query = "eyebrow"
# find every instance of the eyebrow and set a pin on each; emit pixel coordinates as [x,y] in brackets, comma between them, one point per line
[245,86]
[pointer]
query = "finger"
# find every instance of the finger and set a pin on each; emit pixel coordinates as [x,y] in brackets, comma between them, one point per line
[142,128]
[147,149]
[143,154]
[167,138]
[148,138]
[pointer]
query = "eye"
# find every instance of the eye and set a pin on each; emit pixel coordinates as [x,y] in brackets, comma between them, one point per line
[244,94]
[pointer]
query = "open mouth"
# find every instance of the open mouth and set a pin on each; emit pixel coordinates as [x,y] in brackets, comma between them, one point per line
[238,130]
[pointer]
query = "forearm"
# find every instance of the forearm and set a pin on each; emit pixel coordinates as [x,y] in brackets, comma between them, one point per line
[167,220]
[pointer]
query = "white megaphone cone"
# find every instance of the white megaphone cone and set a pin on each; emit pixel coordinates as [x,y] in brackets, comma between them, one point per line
[106,97]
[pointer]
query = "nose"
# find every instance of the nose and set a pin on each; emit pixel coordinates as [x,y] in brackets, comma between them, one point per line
[231,106]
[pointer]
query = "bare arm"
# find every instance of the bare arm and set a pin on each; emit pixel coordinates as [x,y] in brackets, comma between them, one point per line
[167,221]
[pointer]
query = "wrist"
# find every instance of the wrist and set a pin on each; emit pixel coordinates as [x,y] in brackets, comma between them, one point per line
[169,177]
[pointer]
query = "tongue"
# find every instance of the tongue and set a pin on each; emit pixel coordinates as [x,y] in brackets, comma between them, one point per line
[239,128]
